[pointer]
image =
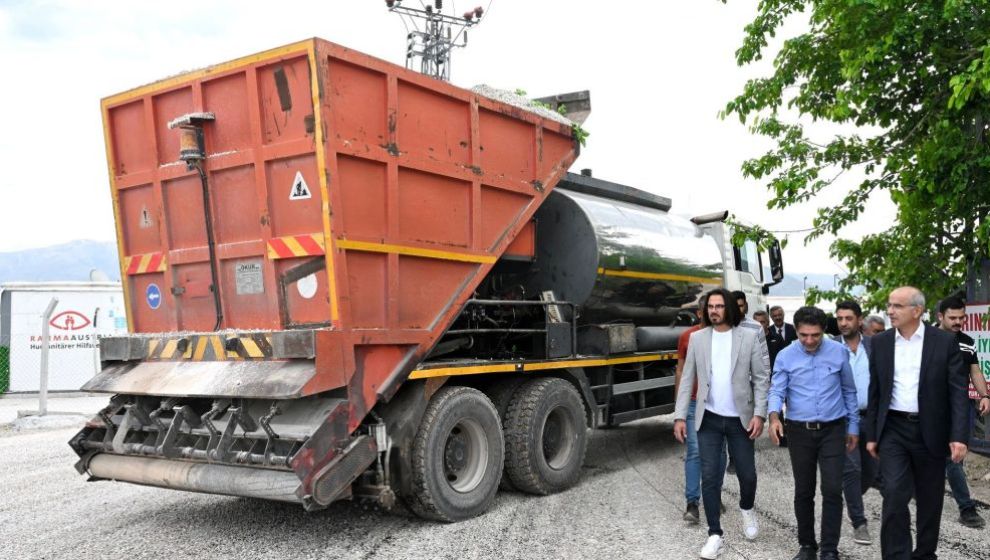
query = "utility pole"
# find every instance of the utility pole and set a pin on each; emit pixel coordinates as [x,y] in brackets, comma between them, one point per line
[432,35]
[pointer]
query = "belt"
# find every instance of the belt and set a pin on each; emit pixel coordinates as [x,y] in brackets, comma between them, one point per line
[910,416]
[815,426]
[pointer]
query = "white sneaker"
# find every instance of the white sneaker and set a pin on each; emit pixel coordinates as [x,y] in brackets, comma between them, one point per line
[712,548]
[751,525]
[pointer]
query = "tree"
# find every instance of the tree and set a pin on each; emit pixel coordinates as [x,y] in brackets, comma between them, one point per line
[911,81]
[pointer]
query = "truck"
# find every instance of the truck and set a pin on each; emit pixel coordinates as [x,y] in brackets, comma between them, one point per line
[347,280]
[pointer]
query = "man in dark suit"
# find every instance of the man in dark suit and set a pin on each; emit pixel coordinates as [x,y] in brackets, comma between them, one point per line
[784,330]
[774,343]
[916,416]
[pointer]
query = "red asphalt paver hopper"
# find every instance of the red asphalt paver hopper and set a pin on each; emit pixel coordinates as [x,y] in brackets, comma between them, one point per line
[296,231]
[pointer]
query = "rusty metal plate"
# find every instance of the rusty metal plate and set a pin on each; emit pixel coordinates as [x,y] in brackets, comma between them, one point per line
[267,379]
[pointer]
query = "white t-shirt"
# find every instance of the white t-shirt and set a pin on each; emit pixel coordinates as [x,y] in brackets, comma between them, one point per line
[720,399]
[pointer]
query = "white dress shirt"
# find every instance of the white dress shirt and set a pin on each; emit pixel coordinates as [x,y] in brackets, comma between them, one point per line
[720,399]
[907,370]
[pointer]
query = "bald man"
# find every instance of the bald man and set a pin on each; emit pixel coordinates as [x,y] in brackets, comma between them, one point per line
[916,417]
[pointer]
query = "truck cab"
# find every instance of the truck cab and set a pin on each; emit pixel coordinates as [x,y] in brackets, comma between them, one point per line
[747,268]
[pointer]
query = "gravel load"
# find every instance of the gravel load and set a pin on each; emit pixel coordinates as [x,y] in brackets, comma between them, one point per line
[516,100]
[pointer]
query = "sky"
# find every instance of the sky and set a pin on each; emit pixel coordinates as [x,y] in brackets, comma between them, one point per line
[658,72]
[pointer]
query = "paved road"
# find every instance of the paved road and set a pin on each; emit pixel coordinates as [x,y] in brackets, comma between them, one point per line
[627,505]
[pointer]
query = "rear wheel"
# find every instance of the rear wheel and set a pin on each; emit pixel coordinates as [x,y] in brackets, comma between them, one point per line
[457,456]
[546,436]
[501,392]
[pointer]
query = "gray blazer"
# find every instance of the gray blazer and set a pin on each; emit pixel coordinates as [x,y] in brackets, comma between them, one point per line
[750,375]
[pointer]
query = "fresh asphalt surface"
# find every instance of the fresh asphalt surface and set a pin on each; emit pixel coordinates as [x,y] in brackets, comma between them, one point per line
[628,504]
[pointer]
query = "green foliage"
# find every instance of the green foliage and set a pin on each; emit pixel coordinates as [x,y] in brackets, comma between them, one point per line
[580,134]
[741,233]
[911,80]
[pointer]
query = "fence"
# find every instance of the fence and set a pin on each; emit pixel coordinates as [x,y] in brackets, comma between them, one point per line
[4,369]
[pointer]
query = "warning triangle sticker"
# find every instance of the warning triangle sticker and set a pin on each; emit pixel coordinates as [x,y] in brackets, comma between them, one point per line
[300,190]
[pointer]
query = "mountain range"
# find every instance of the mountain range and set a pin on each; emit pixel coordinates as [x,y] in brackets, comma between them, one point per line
[67,262]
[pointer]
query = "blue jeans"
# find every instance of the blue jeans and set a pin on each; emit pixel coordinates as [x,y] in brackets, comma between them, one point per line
[852,485]
[715,433]
[956,476]
[692,463]
[692,460]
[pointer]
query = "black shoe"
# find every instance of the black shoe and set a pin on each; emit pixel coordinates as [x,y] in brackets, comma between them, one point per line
[807,553]
[829,556]
[691,514]
[971,519]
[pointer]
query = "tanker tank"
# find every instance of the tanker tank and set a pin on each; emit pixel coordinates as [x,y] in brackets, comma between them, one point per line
[617,254]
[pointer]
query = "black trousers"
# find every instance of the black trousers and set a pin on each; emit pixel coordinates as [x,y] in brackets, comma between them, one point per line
[811,450]
[869,468]
[909,469]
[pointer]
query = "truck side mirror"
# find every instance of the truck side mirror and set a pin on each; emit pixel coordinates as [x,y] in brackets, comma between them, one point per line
[776,263]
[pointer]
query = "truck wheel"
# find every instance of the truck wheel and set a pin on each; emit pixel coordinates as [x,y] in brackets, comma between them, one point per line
[457,456]
[501,392]
[545,436]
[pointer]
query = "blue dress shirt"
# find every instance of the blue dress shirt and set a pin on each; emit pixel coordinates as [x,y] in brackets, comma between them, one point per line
[859,362]
[818,387]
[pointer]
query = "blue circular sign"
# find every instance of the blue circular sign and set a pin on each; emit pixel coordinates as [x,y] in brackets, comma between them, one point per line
[153,295]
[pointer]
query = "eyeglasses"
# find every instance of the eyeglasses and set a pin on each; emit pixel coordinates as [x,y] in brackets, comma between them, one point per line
[716,306]
[891,305]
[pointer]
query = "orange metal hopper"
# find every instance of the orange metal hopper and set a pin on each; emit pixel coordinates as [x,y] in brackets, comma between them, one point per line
[345,196]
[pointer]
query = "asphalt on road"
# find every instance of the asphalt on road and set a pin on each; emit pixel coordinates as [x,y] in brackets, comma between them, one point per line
[628,504]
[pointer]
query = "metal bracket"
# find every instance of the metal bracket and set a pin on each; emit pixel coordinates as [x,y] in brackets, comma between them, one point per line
[219,407]
[265,422]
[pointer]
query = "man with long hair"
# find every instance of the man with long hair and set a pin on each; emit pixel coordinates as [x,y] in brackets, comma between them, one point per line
[731,371]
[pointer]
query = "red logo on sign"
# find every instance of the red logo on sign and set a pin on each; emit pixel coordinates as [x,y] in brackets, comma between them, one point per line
[69,321]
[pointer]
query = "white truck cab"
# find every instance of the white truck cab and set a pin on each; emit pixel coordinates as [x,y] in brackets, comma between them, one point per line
[746,268]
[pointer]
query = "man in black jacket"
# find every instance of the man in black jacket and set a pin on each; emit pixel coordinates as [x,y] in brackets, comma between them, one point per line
[784,330]
[916,416]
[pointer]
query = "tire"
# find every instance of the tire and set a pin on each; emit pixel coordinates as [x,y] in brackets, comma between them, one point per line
[545,436]
[501,392]
[457,456]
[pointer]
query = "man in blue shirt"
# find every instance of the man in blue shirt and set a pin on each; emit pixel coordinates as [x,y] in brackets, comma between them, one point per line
[860,470]
[816,382]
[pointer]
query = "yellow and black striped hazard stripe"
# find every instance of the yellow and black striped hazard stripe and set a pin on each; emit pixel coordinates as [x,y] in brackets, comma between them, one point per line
[211,348]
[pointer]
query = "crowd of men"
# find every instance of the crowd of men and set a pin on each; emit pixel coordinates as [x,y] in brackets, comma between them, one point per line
[869,407]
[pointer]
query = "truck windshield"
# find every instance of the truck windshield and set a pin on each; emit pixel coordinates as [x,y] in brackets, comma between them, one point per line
[748,260]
